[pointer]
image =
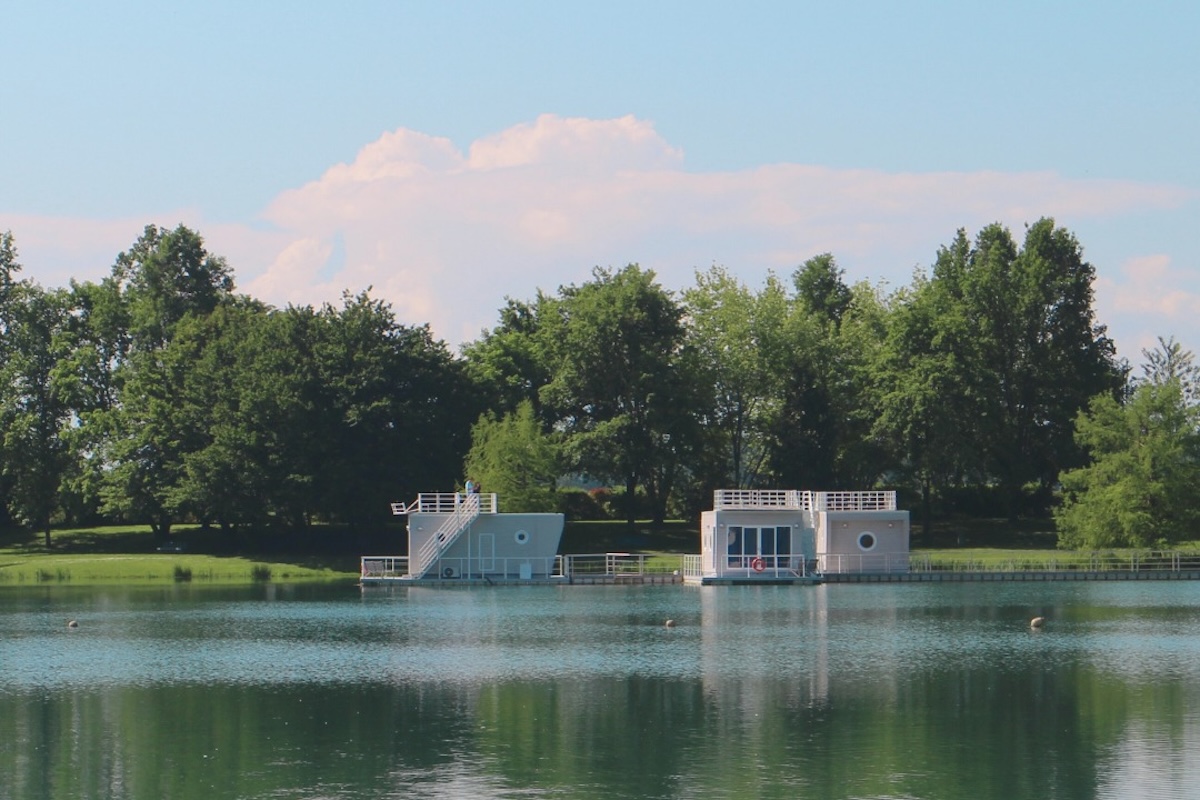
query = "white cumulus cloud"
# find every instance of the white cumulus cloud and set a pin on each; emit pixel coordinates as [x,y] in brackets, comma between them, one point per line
[445,234]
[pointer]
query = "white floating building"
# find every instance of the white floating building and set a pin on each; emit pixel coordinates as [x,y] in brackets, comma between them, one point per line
[756,535]
[457,536]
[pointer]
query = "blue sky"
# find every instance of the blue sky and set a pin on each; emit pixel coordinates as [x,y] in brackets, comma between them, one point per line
[450,154]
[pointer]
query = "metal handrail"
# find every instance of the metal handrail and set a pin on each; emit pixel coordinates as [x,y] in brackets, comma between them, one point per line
[431,549]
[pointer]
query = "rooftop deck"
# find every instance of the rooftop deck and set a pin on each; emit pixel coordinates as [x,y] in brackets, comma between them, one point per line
[445,503]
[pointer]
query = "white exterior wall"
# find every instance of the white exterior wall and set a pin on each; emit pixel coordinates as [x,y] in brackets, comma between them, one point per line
[715,526]
[863,541]
[518,545]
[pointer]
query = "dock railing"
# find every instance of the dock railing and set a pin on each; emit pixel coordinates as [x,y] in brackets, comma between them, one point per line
[691,565]
[384,566]
[484,569]
[863,562]
[1066,561]
[615,564]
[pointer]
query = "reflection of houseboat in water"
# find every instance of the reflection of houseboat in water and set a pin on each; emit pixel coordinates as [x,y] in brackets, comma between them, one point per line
[750,536]
[789,536]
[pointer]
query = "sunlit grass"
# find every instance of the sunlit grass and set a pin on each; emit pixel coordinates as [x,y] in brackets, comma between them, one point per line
[130,555]
[157,568]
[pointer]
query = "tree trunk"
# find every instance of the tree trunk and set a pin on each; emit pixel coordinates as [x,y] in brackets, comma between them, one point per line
[631,484]
[926,510]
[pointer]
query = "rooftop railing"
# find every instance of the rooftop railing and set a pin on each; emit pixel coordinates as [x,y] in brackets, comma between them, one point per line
[791,499]
[445,503]
[854,501]
[788,499]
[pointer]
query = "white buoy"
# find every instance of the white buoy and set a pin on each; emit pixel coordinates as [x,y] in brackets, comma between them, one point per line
[72,624]
[1037,622]
[670,623]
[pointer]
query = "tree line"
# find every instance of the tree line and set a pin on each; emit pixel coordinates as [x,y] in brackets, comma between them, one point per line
[159,395]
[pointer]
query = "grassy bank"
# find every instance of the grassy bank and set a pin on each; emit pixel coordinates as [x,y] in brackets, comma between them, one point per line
[133,555]
[127,569]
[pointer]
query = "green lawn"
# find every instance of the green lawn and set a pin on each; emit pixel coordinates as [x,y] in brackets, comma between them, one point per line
[132,554]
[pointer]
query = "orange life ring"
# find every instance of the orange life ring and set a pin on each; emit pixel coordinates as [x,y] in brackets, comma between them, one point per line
[758,565]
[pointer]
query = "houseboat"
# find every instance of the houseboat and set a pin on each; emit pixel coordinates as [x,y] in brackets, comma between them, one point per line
[790,536]
[462,537]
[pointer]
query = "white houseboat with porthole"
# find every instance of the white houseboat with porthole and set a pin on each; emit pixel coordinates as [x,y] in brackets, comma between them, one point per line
[463,537]
[790,536]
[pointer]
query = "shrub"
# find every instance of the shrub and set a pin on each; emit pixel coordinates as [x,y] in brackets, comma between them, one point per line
[582,505]
[260,572]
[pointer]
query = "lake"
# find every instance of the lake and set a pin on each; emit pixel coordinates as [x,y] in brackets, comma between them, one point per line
[854,691]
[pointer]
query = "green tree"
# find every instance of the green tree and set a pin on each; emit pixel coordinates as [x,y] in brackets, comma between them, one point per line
[9,267]
[510,364]
[820,288]
[513,457]
[924,404]
[139,442]
[822,427]
[1169,361]
[1019,324]
[1142,487]
[221,477]
[166,275]
[400,410]
[862,457]
[35,409]
[737,338]
[616,341]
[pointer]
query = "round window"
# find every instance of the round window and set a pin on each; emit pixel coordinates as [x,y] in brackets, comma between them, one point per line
[866,541]
[522,537]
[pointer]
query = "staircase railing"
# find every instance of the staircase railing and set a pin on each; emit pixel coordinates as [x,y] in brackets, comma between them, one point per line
[446,534]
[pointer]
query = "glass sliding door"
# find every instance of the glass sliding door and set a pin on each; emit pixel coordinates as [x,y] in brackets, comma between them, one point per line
[771,544]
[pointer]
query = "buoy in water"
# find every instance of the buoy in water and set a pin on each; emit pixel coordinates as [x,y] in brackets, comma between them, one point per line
[1037,622]
[72,624]
[670,623]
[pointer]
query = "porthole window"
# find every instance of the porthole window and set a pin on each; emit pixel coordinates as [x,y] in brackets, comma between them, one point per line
[866,541]
[522,537]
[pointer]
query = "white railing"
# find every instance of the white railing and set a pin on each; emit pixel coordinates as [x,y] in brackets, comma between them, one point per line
[782,565]
[863,562]
[761,498]
[476,568]
[1064,561]
[693,566]
[464,513]
[384,566]
[619,564]
[790,499]
[446,503]
[854,501]
[399,509]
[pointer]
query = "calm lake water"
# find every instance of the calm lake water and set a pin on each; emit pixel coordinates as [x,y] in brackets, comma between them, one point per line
[879,691]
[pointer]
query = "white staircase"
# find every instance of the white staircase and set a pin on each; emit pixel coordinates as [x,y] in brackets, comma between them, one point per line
[465,512]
